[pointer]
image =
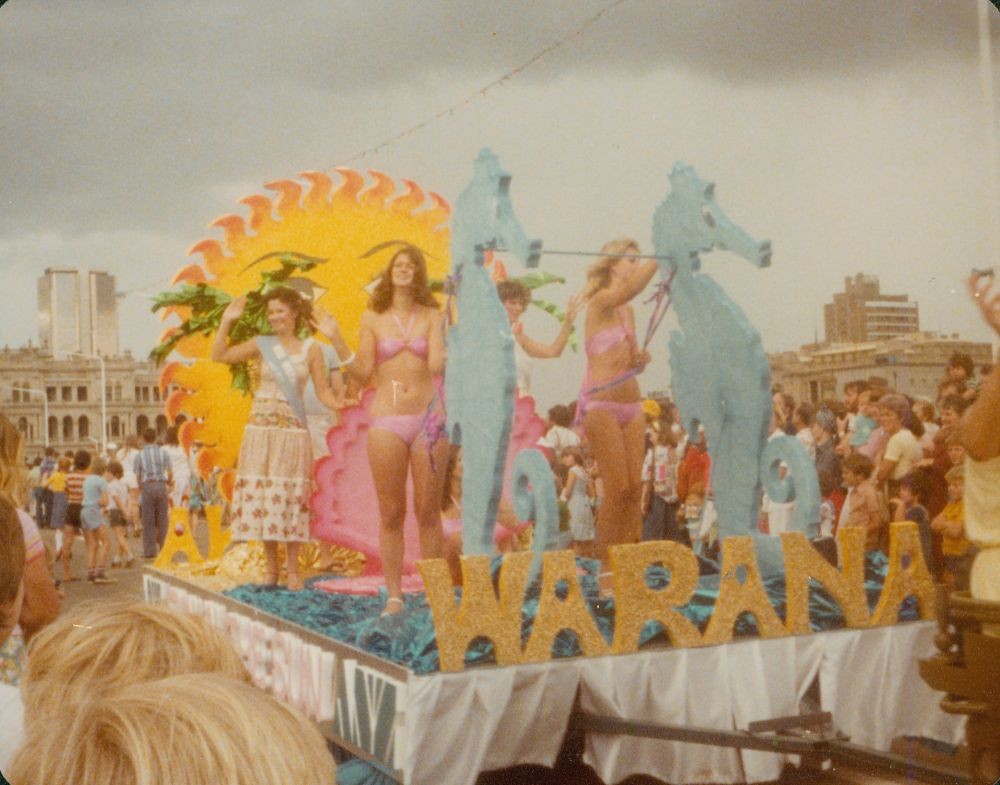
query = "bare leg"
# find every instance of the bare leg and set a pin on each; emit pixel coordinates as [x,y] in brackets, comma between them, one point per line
[389,458]
[271,556]
[121,541]
[90,541]
[69,535]
[428,490]
[292,566]
[618,452]
[453,555]
[103,543]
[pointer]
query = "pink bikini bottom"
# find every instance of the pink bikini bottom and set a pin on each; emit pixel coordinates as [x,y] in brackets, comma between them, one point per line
[409,427]
[623,413]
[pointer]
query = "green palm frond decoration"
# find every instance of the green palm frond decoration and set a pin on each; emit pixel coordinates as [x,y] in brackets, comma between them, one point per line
[208,303]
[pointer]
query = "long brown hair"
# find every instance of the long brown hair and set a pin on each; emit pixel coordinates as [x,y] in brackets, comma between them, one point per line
[381,298]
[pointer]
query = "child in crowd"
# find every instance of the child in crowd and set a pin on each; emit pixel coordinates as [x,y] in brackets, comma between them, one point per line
[827,507]
[200,729]
[956,452]
[99,648]
[576,494]
[861,507]
[56,485]
[74,506]
[94,674]
[694,516]
[659,489]
[956,549]
[865,420]
[118,502]
[595,477]
[911,506]
[95,527]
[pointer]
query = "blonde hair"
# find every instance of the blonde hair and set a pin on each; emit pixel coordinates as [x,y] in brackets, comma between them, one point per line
[599,273]
[13,475]
[200,729]
[97,648]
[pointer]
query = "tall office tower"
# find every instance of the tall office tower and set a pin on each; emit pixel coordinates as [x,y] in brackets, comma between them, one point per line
[103,314]
[77,311]
[863,313]
[59,310]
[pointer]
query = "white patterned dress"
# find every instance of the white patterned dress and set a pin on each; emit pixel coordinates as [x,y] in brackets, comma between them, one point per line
[274,472]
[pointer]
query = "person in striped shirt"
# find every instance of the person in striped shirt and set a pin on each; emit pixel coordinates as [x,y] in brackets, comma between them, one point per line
[74,504]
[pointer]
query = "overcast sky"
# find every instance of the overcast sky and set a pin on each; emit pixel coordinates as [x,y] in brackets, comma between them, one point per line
[851,134]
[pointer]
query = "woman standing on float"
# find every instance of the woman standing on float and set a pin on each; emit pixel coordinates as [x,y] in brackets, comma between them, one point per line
[610,403]
[402,345]
[274,472]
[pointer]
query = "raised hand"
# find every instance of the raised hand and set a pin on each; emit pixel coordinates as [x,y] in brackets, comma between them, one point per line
[573,307]
[324,322]
[987,296]
[234,310]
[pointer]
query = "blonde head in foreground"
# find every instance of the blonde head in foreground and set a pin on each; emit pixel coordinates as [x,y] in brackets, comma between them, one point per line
[197,729]
[98,648]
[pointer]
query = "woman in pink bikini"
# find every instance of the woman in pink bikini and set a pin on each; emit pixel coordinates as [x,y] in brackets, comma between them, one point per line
[609,405]
[402,346]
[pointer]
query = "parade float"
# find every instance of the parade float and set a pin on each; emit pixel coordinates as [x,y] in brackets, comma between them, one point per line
[685,674]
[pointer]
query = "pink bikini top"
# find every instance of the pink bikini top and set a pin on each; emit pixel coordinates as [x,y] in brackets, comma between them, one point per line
[387,348]
[610,337]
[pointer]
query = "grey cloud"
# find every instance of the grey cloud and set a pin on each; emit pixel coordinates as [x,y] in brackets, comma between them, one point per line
[111,106]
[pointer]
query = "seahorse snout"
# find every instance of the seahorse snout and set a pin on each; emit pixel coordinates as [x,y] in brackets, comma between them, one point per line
[764,254]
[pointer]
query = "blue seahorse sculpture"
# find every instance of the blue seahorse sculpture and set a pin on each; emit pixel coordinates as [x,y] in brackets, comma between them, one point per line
[480,377]
[719,372]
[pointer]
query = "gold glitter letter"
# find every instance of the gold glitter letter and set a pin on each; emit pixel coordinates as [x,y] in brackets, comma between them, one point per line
[179,540]
[636,603]
[555,614]
[735,597]
[480,614]
[803,561]
[900,582]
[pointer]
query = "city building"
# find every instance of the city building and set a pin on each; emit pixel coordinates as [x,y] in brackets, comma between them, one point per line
[77,312]
[61,399]
[913,364]
[53,393]
[862,313]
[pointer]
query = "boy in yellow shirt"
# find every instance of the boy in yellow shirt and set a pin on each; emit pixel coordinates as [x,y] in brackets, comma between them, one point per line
[956,549]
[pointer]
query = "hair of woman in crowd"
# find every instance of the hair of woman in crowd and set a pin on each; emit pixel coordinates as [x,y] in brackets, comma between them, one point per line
[99,647]
[13,475]
[199,729]
[12,555]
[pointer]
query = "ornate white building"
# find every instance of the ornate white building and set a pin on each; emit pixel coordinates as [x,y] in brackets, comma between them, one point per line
[61,399]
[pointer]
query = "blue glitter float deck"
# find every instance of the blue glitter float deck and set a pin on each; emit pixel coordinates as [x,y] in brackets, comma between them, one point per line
[408,638]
